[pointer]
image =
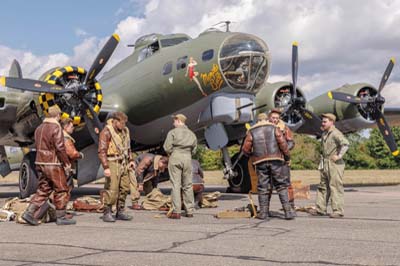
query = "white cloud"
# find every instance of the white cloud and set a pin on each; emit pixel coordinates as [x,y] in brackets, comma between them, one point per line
[340,41]
[80,32]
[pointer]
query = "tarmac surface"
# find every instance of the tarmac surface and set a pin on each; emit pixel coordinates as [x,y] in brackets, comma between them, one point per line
[368,235]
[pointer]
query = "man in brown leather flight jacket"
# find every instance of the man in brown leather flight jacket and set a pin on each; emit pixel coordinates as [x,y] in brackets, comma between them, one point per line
[146,172]
[51,163]
[274,117]
[269,149]
[69,142]
[116,158]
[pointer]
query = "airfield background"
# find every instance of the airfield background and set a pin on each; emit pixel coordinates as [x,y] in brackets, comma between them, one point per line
[366,152]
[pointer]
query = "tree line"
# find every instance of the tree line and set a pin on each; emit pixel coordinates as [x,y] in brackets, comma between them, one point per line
[368,150]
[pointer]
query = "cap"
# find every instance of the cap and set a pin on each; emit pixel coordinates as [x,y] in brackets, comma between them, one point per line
[330,116]
[180,117]
[275,110]
[53,111]
[262,116]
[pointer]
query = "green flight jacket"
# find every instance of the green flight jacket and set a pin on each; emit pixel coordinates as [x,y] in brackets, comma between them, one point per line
[180,140]
[332,141]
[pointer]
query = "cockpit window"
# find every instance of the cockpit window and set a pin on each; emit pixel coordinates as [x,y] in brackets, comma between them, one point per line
[148,51]
[173,41]
[243,62]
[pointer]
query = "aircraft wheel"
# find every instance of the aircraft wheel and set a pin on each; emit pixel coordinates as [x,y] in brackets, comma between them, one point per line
[28,180]
[241,183]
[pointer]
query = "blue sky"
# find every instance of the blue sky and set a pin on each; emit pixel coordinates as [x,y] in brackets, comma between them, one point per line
[44,26]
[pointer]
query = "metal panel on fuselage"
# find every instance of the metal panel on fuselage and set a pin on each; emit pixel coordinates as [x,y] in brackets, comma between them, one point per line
[145,94]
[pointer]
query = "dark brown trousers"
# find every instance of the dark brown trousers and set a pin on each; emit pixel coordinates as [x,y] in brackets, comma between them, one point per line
[51,178]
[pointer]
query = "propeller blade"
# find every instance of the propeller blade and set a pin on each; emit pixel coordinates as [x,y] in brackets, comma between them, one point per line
[386,132]
[102,58]
[295,66]
[92,122]
[386,75]
[345,97]
[32,85]
[313,120]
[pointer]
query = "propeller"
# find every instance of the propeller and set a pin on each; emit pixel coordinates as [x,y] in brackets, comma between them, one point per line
[296,104]
[77,89]
[374,105]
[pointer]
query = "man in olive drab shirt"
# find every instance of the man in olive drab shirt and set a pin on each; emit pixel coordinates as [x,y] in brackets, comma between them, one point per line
[116,158]
[334,146]
[180,145]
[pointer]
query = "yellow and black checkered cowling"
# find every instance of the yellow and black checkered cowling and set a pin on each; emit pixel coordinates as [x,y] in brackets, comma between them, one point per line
[70,106]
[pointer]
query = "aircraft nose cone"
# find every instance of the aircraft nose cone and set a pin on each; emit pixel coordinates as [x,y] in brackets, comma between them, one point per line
[245,62]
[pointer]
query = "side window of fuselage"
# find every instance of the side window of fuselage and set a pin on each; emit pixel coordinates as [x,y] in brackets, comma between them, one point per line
[181,63]
[167,68]
[207,55]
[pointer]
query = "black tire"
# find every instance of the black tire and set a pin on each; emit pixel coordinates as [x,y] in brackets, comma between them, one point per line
[28,180]
[241,183]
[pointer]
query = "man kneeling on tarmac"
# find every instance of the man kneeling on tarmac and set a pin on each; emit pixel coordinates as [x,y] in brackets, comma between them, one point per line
[269,149]
[145,175]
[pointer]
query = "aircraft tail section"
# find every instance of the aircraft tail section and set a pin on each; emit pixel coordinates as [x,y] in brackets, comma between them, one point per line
[14,72]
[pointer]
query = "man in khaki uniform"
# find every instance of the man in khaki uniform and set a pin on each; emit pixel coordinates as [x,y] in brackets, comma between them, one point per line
[116,158]
[180,145]
[334,146]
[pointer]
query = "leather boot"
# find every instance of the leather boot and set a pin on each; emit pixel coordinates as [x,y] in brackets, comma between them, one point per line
[107,214]
[62,220]
[28,215]
[263,200]
[123,216]
[291,200]
[284,198]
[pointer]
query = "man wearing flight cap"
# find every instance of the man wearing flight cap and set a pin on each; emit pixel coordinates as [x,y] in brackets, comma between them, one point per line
[180,145]
[51,162]
[334,146]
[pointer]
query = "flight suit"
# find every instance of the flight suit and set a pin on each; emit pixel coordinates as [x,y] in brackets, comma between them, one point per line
[331,184]
[115,153]
[180,145]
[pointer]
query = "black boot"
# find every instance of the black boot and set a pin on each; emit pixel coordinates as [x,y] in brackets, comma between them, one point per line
[123,216]
[107,214]
[293,208]
[29,213]
[284,198]
[62,220]
[263,200]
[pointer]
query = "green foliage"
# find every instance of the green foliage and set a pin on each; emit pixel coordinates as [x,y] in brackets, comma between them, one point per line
[305,154]
[380,152]
[212,160]
[357,157]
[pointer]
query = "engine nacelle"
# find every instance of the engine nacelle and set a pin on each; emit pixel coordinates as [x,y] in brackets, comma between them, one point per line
[277,95]
[351,117]
[71,103]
